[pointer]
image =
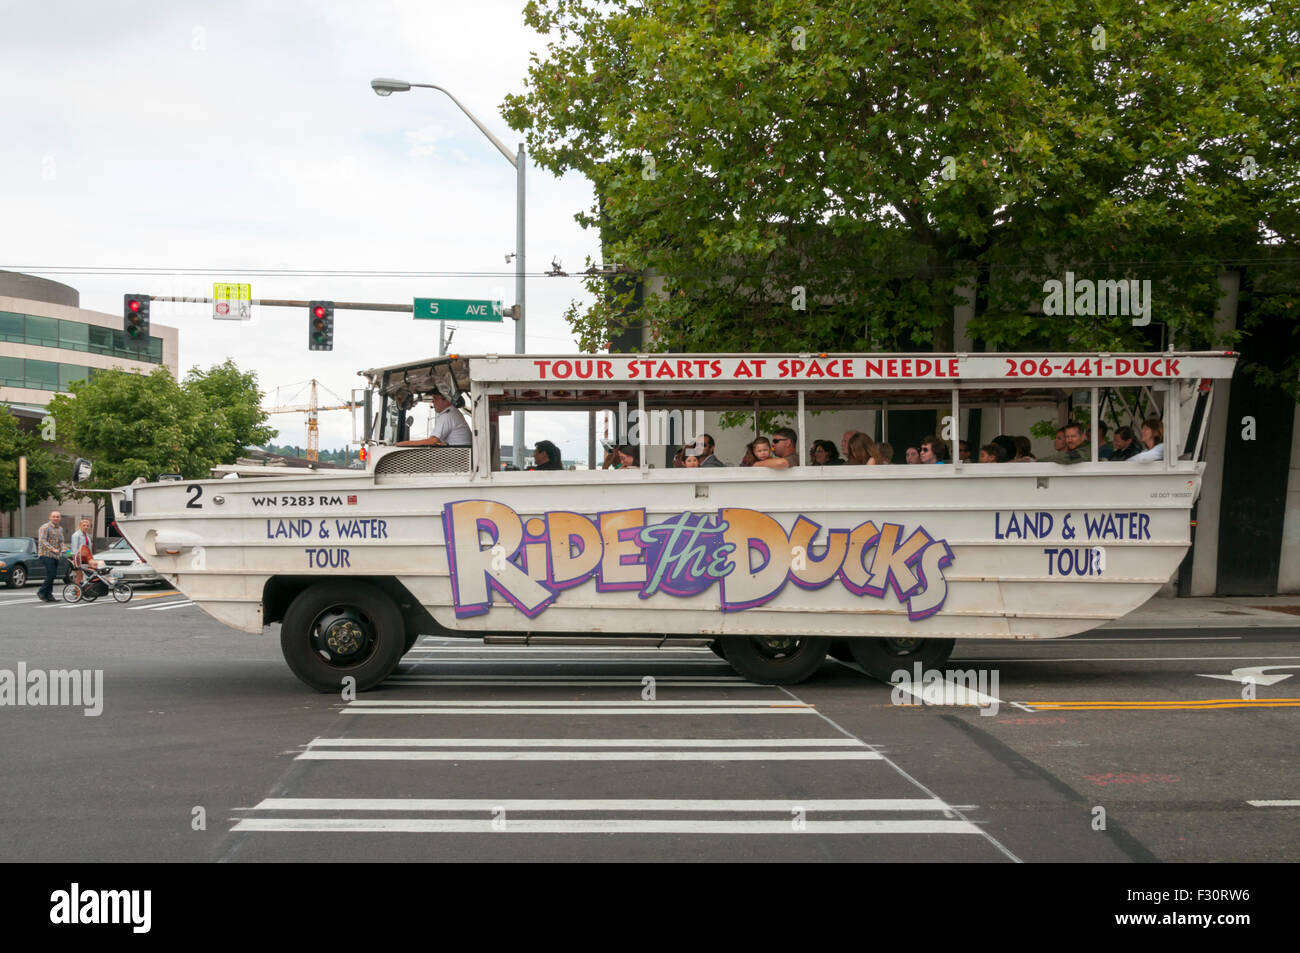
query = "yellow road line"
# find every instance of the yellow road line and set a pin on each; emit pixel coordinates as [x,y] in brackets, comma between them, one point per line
[1203,705]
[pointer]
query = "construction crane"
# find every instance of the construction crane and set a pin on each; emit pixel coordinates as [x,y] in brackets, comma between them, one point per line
[311,409]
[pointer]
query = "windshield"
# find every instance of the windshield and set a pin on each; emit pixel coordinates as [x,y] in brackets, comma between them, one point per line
[15,544]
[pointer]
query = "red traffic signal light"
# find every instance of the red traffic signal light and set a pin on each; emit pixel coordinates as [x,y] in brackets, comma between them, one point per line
[135,318]
[320,326]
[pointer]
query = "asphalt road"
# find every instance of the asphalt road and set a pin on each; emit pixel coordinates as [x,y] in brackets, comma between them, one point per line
[1108,747]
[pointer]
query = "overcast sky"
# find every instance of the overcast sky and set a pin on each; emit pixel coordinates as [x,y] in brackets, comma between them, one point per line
[238,135]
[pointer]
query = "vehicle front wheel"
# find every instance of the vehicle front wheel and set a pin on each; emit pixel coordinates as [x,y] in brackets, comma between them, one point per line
[775,660]
[883,657]
[335,630]
[18,577]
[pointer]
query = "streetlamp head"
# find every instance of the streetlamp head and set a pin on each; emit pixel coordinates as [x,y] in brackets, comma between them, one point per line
[386,87]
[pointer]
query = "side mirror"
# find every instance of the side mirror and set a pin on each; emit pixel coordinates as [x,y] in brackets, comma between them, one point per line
[80,470]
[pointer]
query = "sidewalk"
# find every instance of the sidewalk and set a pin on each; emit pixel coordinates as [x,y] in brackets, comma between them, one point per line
[1236,612]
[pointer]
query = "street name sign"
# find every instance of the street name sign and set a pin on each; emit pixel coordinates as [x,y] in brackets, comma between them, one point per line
[456,309]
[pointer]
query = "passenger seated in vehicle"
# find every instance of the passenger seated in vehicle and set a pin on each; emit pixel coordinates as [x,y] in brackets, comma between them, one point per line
[1153,438]
[863,451]
[1077,449]
[934,450]
[546,456]
[1058,445]
[1104,449]
[913,455]
[1024,450]
[785,451]
[963,451]
[691,454]
[1125,444]
[629,455]
[760,448]
[992,453]
[1008,445]
[886,451]
[825,454]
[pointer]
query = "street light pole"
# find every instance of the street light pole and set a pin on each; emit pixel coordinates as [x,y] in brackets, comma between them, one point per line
[386,87]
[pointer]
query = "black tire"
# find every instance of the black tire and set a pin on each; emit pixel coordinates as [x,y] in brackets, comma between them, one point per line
[883,657]
[88,592]
[72,592]
[411,639]
[335,630]
[18,577]
[776,660]
[716,648]
[840,650]
[122,592]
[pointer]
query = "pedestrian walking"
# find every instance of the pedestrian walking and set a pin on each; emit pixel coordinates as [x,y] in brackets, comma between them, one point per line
[49,547]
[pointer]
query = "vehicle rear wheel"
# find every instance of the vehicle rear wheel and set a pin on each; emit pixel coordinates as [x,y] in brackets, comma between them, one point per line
[71,592]
[883,657]
[716,648]
[775,660]
[335,630]
[18,577]
[411,639]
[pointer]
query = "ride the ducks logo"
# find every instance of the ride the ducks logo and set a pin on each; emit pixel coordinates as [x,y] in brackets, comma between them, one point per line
[492,550]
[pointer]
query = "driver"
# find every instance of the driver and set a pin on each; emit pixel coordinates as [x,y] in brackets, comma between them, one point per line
[449,427]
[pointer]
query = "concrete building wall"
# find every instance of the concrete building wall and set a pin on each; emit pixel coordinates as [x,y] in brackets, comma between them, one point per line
[169,337]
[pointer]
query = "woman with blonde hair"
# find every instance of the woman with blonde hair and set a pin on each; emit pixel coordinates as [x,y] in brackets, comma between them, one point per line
[863,451]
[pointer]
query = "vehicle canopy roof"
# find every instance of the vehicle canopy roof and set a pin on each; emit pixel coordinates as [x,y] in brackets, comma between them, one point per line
[582,381]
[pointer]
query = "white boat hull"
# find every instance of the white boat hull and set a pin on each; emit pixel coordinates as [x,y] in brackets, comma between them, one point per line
[1004,579]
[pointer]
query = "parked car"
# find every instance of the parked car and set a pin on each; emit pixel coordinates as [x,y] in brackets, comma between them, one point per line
[122,561]
[19,564]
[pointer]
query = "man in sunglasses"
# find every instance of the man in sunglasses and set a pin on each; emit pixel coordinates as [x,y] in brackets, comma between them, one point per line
[785,450]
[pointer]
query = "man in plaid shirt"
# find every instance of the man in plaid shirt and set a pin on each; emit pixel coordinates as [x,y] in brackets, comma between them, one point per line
[49,547]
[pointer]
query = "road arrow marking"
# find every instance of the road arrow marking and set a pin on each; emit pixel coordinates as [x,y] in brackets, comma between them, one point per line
[1254,675]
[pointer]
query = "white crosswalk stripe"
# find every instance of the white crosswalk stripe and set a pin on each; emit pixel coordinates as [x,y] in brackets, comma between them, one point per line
[408,772]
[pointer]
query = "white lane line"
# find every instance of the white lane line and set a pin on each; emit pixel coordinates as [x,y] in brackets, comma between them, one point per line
[561,649]
[518,702]
[586,743]
[1274,803]
[163,605]
[170,605]
[595,804]
[715,662]
[1189,638]
[663,681]
[579,711]
[1158,658]
[594,679]
[598,826]
[720,755]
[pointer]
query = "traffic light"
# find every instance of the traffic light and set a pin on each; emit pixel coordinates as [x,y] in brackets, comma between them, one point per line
[320,326]
[135,319]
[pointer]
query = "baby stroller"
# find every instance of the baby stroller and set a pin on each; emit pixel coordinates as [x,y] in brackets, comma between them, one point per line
[96,582]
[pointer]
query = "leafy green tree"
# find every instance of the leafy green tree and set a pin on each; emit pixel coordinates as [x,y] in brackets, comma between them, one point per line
[882,156]
[42,467]
[133,425]
[233,401]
